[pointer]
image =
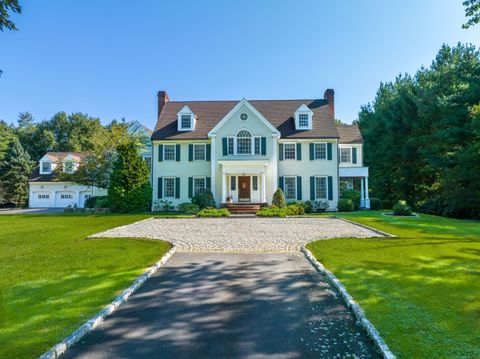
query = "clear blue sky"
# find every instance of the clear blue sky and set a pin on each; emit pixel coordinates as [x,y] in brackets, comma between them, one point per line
[109,58]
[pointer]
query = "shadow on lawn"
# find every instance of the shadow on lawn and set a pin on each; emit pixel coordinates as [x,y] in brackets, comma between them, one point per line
[213,309]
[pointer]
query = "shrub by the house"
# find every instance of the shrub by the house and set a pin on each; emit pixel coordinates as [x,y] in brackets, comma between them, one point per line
[345,205]
[188,208]
[96,202]
[278,199]
[375,203]
[129,189]
[204,199]
[273,211]
[213,212]
[352,195]
[402,209]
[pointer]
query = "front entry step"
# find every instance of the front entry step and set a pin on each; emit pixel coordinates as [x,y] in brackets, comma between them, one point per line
[245,208]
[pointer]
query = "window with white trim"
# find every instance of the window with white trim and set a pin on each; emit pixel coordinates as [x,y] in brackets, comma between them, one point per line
[46,166]
[169,152]
[198,185]
[186,122]
[303,120]
[320,187]
[255,183]
[148,161]
[68,166]
[199,151]
[345,155]
[320,151]
[289,151]
[230,143]
[169,187]
[257,146]
[244,143]
[290,187]
[43,196]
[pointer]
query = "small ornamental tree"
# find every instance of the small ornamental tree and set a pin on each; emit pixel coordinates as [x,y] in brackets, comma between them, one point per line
[129,189]
[278,198]
[15,169]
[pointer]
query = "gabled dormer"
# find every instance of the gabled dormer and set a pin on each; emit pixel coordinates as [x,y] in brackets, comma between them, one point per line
[185,119]
[303,118]
[45,166]
[68,164]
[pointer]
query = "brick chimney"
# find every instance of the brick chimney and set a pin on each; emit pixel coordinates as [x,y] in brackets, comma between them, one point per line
[162,100]
[329,95]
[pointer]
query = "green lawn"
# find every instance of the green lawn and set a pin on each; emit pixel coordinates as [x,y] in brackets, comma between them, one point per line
[422,289]
[52,279]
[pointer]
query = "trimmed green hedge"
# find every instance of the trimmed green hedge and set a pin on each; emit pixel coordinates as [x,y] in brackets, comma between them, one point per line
[213,212]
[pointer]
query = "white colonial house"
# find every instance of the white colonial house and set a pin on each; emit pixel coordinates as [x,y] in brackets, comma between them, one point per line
[245,150]
[47,190]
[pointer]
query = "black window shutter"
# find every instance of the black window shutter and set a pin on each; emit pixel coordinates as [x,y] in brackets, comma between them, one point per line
[354,155]
[177,153]
[160,152]
[312,151]
[330,188]
[264,146]
[224,146]
[160,187]
[281,152]
[299,151]
[299,188]
[208,183]
[190,152]
[312,188]
[280,183]
[177,187]
[329,151]
[208,152]
[190,187]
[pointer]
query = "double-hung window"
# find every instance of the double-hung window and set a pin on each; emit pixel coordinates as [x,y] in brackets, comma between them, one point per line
[199,152]
[289,151]
[320,151]
[244,143]
[230,143]
[345,155]
[169,152]
[46,167]
[198,185]
[290,188]
[320,187]
[169,187]
[303,120]
[68,166]
[186,121]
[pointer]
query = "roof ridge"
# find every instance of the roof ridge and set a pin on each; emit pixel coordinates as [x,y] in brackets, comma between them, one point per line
[292,99]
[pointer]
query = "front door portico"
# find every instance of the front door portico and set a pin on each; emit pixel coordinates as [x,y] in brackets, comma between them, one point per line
[244,189]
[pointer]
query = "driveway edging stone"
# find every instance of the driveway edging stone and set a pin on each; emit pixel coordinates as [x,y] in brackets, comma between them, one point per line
[386,234]
[60,348]
[352,304]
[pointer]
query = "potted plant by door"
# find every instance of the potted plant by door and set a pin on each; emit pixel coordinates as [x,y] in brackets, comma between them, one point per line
[229,200]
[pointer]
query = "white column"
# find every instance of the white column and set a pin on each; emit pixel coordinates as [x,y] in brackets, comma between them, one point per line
[274,163]
[224,187]
[362,194]
[213,164]
[367,199]
[264,187]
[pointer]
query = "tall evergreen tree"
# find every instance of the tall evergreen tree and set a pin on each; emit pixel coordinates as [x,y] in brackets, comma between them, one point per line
[14,172]
[129,189]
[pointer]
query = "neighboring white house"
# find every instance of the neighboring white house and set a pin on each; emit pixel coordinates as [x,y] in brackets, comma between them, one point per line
[245,150]
[137,129]
[45,188]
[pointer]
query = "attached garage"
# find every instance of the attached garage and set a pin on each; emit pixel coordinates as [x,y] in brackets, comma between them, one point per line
[65,199]
[40,199]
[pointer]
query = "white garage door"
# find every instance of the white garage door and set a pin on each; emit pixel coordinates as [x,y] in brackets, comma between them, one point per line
[41,199]
[83,196]
[65,199]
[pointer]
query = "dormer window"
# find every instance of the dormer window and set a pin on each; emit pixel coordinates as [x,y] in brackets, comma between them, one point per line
[303,118]
[46,167]
[186,119]
[68,166]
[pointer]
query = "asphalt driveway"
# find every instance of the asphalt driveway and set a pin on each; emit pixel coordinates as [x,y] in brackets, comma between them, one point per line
[217,305]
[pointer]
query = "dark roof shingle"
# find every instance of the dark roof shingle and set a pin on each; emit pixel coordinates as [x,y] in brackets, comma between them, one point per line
[278,112]
[349,134]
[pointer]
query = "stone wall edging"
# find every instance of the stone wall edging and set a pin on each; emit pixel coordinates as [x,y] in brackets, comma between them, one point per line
[385,234]
[60,348]
[350,302]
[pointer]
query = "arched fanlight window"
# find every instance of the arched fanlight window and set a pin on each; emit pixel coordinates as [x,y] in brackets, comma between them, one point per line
[244,142]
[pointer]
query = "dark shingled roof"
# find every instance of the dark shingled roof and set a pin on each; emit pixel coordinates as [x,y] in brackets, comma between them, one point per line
[278,112]
[55,157]
[37,177]
[349,134]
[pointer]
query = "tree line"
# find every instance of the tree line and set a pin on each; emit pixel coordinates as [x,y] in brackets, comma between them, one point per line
[422,136]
